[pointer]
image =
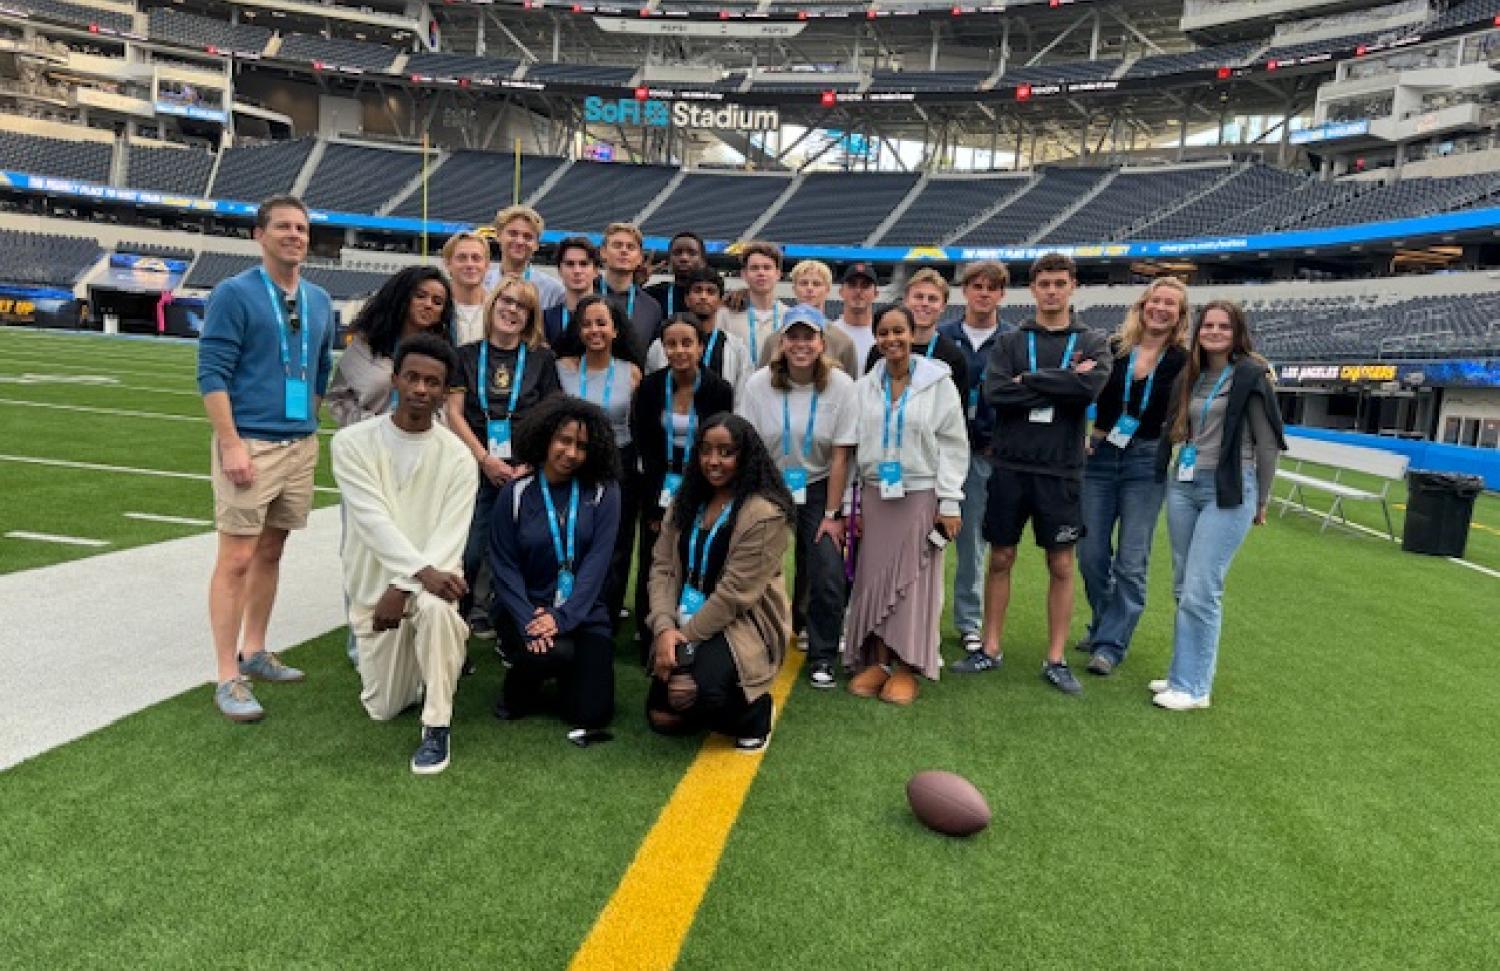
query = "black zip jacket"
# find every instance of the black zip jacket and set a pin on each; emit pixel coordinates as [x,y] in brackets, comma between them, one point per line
[1250,379]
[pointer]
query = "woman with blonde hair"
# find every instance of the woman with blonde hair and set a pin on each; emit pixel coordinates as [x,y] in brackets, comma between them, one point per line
[499,379]
[1121,497]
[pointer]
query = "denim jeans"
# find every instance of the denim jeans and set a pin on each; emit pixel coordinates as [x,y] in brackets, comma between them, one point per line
[968,580]
[1204,541]
[477,550]
[1119,488]
[820,571]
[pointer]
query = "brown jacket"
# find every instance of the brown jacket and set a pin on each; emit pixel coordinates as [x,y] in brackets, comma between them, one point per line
[748,605]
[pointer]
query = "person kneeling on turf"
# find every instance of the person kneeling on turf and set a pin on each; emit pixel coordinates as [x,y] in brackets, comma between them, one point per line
[408,487]
[719,610]
[551,540]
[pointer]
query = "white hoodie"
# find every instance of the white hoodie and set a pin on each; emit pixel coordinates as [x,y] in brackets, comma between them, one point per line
[935,444]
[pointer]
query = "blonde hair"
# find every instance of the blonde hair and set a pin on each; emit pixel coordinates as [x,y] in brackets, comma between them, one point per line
[458,239]
[511,213]
[631,228]
[1130,332]
[532,333]
[815,268]
[930,277]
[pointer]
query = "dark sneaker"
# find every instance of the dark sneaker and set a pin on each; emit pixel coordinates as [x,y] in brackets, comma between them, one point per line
[1061,677]
[821,676]
[431,756]
[236,702]
[977,662]
[1084,645]
[750,746]
[265,666]
[481,628]
[1102,664]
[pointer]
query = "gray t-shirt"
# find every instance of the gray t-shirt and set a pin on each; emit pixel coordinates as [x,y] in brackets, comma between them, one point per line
[621,392]
[1258,449]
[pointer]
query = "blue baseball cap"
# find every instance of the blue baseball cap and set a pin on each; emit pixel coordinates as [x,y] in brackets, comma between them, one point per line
[805,314]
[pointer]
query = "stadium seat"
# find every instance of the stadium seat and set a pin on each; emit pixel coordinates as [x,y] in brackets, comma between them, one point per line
[591,195]
[183,170]
[175,27]
[41,259]
[250,173]
[86,161]
[473,186]
[356,178]
[716,206]
[946,204]
[838,208]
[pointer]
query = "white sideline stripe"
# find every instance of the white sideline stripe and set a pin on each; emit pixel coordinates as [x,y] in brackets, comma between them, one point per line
[55,538]
[97,467]
[68,627]
[121,412]
[151,517]
[188,374]
[38,334]
[1380,534]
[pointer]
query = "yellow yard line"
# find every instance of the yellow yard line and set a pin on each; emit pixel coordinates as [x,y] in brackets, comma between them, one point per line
[645,922]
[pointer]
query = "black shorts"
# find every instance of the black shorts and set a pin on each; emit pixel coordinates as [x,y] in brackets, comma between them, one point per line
[1053,503]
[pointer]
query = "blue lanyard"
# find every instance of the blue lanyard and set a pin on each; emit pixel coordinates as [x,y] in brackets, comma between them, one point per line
[604,291]
[693,566]
[885,423]
[1130,376]
[1218,385]
[564,557]
[932,345]
[786,425]
[1067,351]
[278,307]
[709,353]
[775,326]
[671,299]
[666,420]
[583,381]
[484,379]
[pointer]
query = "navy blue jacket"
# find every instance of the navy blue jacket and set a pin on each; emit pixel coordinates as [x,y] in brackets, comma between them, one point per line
[982,423]
[524,561]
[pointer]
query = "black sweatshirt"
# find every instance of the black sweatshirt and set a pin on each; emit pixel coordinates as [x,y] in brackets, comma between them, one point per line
[649,436]
[1044,448]
[1169,365]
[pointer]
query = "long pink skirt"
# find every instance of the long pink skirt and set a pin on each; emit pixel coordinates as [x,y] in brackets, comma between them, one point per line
[898,583]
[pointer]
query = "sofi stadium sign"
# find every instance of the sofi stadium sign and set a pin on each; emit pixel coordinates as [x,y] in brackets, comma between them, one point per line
[655,113]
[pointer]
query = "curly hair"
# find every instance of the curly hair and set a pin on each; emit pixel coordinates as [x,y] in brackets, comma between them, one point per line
[570,344]
[755,474]
[533,435]
[383,317]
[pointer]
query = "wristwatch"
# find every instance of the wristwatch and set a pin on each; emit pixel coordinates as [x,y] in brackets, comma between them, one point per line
[834,514]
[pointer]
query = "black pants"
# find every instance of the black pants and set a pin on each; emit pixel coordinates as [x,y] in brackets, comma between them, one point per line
[819,590]
[650,525]
[619,561]
[585,685]
[721,706]
[477,549]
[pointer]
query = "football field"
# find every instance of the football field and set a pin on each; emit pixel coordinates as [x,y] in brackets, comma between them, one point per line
[1334,809]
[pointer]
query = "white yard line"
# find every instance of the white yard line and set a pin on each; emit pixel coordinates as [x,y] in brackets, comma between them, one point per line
[100,638]
[1380,534]
[55,538]
[125,469]
[187,374]
[151,517]
[120,412]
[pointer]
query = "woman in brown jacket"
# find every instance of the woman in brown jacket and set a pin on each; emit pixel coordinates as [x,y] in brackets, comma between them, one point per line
[719,613]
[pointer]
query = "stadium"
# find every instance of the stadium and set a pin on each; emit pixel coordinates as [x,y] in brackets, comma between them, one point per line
[1333,166]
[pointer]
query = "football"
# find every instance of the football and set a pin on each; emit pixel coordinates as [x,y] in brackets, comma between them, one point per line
[947,803]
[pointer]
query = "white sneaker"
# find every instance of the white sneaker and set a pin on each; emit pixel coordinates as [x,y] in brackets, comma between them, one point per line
[1179,701]
[1159,685]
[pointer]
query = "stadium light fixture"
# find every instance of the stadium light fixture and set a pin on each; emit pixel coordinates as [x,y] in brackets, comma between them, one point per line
[1223,73]
[1023,92]
[642,94]
[1497,20]
[1271,65]
[828,99]
[1361,51]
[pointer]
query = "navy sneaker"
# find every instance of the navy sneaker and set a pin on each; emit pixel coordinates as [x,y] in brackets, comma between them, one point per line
[431,756]
[977,662]
[1061,677]
[1102,663]
[822,676]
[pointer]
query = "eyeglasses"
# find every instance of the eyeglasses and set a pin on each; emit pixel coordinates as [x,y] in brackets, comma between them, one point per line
[514,304]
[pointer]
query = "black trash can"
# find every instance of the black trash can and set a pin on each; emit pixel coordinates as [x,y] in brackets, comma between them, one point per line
[1439,506]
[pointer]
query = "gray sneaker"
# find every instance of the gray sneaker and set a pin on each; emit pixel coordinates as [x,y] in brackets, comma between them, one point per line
[977,662]
[1102,664]
[236,702]
[265,666]
[1061,677]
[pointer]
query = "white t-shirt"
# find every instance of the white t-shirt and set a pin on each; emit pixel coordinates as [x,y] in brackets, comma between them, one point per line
[468,323]
[406,449]
[863,338]
[761,405]
[978,335]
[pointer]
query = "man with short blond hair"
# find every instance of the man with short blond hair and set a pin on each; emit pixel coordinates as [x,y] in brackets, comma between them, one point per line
[519,231]
[759,323]
[466,260]
[263,365]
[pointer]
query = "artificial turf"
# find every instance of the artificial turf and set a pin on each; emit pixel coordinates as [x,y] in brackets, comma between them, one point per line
[1333,809]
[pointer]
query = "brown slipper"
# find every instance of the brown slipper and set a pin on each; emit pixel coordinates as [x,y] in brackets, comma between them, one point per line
[900,688]
[869,682]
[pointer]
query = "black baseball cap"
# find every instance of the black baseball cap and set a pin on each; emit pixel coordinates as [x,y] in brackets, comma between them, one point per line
[857,271]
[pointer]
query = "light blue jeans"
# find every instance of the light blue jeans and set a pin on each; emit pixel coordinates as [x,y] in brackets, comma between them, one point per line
[968,579]
[1119,489]
[1204,541]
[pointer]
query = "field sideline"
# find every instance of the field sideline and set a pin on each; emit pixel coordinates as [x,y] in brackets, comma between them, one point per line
[1334,808]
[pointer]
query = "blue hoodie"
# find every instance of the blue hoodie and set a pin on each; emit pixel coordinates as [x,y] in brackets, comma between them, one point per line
[982,422]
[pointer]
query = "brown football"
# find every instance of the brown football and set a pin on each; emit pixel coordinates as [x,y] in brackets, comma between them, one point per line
[947,803]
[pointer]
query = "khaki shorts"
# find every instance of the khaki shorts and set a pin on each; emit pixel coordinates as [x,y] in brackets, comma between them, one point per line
[281,495]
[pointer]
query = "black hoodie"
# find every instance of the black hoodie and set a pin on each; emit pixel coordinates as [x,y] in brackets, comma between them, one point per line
[1045,448]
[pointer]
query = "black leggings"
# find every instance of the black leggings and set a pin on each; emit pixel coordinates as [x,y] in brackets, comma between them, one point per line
[721,704]
[585,685]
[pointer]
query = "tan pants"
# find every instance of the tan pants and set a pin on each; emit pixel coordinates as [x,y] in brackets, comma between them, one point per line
[427,649]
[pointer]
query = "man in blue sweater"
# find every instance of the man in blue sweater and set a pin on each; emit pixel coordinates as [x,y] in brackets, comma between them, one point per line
[263,365]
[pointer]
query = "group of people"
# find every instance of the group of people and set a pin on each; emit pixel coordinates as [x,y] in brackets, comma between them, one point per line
[509,442]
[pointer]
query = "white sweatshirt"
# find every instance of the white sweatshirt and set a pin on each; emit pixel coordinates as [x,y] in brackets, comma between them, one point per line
[934,450]
[403,512]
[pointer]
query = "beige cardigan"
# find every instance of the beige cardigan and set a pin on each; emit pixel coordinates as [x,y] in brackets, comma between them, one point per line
[748,605]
